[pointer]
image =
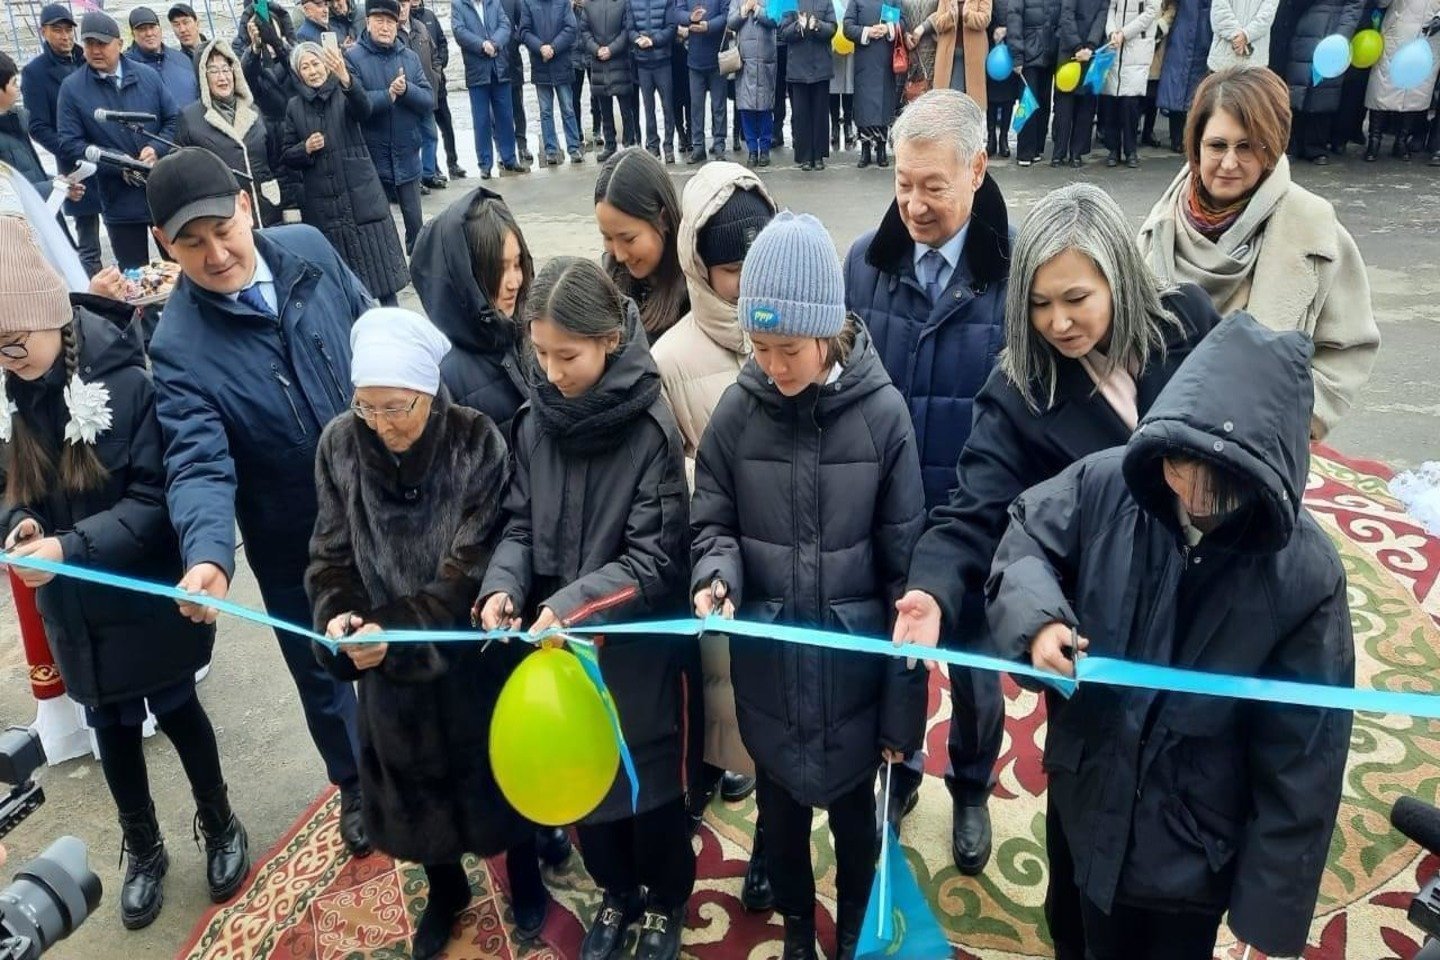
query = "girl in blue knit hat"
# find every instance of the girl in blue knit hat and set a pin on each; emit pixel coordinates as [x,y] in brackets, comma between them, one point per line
[808,502]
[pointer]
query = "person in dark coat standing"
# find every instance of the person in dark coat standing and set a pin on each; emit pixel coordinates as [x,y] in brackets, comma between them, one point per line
[185,25]
[400,95]
[515,70]
[605,29]
[652,46]
[473,271]
[249,357]
[483,31]
[174,65]
[807,33]
[808,503]
[409,512]
[414,34]
[342,198]
[343,21]
[1190,548]
[40,81]
[1000,95]
[1185,66]
[113,82]
[875,96]
[316,21]
[444,121]
[264,52]
[1030,33]
[16,148]
[84,484]
[275,30]
[597,532]
[1081,34]
[1313,105]
[227,122]
[930,285]
[550,31]
[1056,397]
[703,27]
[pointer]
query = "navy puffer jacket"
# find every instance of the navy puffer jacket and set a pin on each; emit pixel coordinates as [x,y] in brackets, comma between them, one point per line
[392,131]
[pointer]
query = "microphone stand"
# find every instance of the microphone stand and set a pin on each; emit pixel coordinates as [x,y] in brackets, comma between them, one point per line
[136,127]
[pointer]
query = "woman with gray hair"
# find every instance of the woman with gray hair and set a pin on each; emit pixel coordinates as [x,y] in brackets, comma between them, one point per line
[1091,338]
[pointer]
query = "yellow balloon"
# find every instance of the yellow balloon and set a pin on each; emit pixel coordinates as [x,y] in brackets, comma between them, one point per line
[1067,78]
[1366,48]
[842,44]
[552,747]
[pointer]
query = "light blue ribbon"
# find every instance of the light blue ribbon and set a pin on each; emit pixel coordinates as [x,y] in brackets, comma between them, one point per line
[1104,670]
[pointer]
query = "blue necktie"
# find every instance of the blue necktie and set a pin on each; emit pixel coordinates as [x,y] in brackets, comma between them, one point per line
[255,300]
[931,265]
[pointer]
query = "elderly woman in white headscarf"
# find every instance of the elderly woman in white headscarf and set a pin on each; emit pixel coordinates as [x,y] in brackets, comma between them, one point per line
[409,495]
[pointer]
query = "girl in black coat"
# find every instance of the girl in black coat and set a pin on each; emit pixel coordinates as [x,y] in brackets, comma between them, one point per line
[84,484]
[1190,548]
[343,198]
[473,269]
[1081,34]
[409,494]
[1075,272]
[598,532]
[808,502]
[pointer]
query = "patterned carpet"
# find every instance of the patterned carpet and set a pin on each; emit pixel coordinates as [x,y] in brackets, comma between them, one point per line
[309,900]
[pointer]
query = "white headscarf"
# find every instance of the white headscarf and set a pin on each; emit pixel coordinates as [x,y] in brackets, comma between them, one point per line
[391,347]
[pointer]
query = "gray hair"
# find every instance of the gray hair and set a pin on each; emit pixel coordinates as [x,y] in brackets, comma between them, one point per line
[303,48]
[944,116]
[1084,218]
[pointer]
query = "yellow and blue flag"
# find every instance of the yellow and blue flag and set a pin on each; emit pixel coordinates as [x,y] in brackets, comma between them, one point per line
[899,924]
[1025,109]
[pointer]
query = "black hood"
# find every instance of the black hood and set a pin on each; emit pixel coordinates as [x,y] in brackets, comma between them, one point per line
[863,374]
[1242,401]
[441,270]
[109,337]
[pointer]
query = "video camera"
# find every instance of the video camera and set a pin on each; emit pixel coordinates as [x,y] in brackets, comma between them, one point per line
[53,894]
[1420,822]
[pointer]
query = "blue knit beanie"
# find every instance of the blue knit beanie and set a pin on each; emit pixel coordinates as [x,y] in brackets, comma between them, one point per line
[791,284]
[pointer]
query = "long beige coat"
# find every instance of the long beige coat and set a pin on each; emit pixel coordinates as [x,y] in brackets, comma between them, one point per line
[972,17]
[699,358]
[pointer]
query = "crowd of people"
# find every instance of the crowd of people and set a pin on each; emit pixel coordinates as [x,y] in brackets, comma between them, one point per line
[1021,442]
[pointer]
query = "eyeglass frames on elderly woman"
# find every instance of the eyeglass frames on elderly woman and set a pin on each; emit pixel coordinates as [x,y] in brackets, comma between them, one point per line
[220,70]
[370,414]
[16,349]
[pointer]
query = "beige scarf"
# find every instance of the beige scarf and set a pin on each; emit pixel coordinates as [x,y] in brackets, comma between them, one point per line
[1181,254]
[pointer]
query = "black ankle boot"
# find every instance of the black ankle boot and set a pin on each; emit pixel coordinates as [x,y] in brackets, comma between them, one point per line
[606,936]
[227,848]
[864,155]
[799,939]
[143,893]
[848,919]
[757,895]
[990,140]
[881,160]
[1372,148]
[432,933]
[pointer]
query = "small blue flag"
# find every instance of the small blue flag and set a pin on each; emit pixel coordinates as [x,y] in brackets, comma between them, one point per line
[1025,109]
[889,14]
[1100,65]
[899,924]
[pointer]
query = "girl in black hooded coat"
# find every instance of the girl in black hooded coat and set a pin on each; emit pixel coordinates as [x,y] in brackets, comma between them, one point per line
[1190,548]
[597,531]
[84,484]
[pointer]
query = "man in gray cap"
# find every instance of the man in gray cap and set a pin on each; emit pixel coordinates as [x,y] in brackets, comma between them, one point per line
[111,82]
[149,48]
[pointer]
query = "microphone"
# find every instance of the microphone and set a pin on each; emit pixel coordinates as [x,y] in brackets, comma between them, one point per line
[96,155]
[122,116]
[1417,820]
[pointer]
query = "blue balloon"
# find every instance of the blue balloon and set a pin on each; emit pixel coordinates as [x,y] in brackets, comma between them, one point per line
[1412,64]
[1332,58]
[999,65]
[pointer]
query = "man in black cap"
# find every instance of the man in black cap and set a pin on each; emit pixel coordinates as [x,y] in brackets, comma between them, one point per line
[177,69]
[40,81]
[251,360]
[109,81]
[186,27]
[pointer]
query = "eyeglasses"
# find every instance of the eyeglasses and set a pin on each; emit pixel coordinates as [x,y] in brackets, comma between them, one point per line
[15,349]
[219,71]
[370,414]
[1245,151]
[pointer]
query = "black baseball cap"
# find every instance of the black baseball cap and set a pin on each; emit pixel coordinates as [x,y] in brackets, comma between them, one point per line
[383,8]
[186,185]
[143,17]
[56,13]
[181,10]
[99,26]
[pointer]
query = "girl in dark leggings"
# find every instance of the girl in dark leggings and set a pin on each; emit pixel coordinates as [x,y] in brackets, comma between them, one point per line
[84,483]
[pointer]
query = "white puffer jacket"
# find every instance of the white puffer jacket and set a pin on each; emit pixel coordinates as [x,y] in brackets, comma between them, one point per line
[1252,17]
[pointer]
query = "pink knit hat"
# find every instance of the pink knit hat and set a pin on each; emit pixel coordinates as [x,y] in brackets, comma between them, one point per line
[33,295]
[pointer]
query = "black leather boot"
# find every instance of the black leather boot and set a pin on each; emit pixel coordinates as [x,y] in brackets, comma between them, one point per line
[799,939]
[849,917]
[757,895]
[864,154]
[227,848]
[1372,147]
[143,893]
[881,160]
[352,823]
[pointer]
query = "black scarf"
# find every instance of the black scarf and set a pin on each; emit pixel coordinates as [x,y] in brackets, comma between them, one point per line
[587,424]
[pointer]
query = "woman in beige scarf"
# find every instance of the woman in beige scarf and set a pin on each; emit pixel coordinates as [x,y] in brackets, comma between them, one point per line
[958,66]
[1234,223]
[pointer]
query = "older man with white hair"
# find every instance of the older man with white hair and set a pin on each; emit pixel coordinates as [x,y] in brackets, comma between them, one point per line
[930,285]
